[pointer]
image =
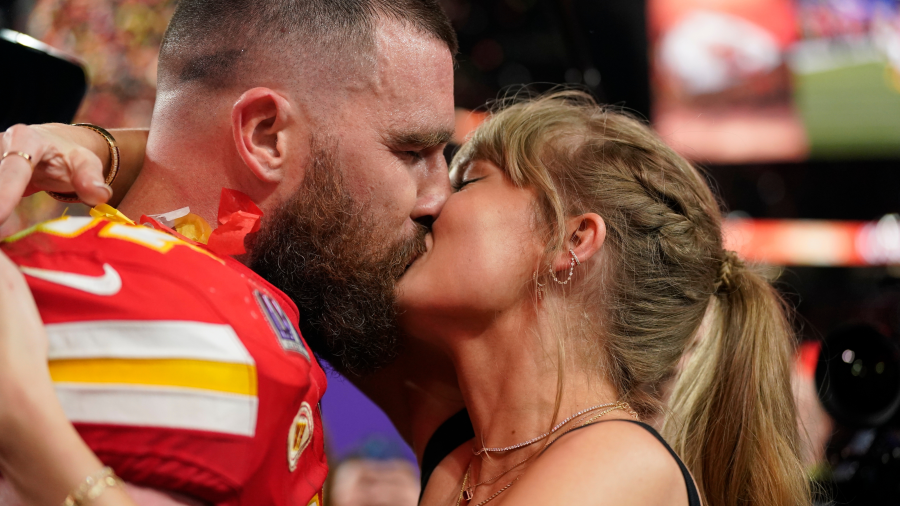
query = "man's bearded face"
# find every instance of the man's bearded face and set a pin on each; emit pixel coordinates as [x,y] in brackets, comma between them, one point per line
[326,252]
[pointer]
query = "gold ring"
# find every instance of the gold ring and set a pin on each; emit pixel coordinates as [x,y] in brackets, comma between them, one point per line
[26,156]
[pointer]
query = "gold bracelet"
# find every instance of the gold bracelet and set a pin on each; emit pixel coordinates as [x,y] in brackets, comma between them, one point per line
[114,162]
[92,487]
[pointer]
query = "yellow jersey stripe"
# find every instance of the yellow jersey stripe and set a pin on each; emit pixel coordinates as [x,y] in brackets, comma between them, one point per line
[197,374]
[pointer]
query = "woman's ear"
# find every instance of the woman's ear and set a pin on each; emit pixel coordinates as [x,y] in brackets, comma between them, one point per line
[586,234]
[258,121]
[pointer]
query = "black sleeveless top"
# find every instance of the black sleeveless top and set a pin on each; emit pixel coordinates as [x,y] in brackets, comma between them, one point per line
[448,437]
[458,429]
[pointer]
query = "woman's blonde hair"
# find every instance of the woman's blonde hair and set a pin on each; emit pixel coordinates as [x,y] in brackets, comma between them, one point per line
[662,291]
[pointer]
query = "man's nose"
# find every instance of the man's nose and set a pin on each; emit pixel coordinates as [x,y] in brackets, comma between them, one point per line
[434,190]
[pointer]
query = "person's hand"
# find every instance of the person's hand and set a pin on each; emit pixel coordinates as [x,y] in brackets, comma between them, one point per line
[64,158]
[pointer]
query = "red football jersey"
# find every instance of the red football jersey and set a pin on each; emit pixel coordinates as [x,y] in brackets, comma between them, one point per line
[181,370]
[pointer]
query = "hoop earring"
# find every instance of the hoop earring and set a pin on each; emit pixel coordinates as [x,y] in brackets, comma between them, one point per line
[538,285]
[572,263]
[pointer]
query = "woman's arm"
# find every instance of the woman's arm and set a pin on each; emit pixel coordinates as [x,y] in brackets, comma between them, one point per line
[132,146]
[41,454]
[66,158]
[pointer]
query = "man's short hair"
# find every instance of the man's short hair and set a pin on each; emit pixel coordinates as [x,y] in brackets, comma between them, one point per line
[215,42]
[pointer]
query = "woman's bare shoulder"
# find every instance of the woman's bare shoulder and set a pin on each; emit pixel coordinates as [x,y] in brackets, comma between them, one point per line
[612,462]
[443,485]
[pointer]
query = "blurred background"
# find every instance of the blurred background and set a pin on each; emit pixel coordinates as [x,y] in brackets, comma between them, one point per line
[791,107]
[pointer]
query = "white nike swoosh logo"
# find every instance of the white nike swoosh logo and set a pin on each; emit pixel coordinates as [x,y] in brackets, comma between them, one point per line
[108,284]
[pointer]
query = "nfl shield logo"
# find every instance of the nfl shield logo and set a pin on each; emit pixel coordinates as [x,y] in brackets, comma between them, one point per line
[281,325]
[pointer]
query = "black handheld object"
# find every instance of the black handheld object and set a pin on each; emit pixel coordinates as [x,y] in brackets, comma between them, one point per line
[858,376]
[39,84]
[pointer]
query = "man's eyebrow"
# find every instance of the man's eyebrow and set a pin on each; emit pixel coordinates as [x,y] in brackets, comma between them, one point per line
[419,139]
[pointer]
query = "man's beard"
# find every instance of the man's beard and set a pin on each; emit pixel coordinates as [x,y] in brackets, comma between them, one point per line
[325,251]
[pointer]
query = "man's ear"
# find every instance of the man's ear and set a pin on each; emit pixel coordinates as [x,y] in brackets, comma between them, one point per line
[586,234]
[258,121]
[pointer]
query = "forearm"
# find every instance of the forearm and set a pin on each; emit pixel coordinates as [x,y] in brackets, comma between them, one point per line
[41,454]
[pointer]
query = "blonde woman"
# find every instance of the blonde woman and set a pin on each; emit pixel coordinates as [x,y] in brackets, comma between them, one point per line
[577,268]
[577,273]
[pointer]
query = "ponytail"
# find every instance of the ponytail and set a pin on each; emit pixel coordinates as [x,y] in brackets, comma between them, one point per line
[732,415]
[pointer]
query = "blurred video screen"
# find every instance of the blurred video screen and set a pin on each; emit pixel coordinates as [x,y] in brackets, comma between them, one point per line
[743,81]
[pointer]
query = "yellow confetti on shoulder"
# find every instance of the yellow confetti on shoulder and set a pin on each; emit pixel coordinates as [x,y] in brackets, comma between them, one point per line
[193,227]
[110,213]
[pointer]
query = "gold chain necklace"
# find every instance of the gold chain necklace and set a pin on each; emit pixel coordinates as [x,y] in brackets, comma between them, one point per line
[468,492]
[546,434]
[624,406]
[465,482]
[489,499]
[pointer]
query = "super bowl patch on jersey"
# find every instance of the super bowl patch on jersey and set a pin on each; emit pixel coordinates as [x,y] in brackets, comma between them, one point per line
[299,435]
[281,325]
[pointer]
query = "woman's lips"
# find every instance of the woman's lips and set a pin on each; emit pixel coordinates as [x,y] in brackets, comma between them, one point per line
[428,243]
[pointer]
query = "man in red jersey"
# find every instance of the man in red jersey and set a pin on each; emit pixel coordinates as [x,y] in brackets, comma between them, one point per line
[332,116]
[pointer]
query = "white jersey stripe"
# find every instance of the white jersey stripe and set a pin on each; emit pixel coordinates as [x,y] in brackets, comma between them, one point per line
[146,339]
[175,408]
[67,224]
